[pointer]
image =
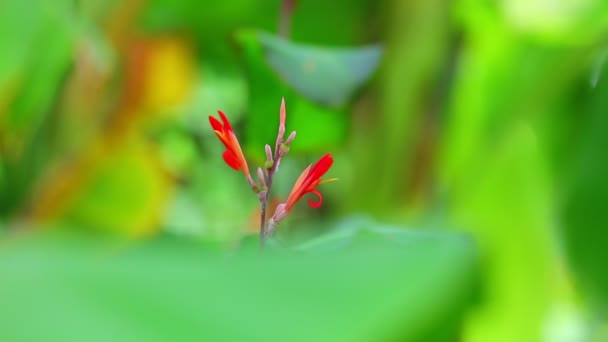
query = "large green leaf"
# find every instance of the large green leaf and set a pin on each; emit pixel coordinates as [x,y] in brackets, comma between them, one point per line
[32,68]
[327,75]
[495,168]
[319,127]
[585,198]
[66,288]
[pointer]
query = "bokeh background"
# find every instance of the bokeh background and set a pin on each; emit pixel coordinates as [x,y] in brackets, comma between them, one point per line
[448,120]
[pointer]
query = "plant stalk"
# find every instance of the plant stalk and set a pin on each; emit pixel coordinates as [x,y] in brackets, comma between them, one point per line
[263,222]
[265,204]
[287,8]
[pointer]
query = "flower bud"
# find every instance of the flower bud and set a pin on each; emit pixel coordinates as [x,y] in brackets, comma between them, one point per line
[261,178]
[268,150]
[280,213]
[290,138]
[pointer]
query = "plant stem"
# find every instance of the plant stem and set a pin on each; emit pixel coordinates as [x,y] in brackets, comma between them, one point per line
[265,206]
[263,222]
[287,8]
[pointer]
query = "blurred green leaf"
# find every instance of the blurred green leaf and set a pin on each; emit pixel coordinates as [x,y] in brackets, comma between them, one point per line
[62,289]
[32,68]
[212,22]
[34,64]
[318,127]
[218,87]
[213,189]
[585,199]
[326,75]
[124,190]
[496,175]
[570,22]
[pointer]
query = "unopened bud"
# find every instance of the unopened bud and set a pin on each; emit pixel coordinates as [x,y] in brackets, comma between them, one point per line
[270,228]
[268,150]
[282,119]
[261,178]
[290,138]
[282,113]
[280,213]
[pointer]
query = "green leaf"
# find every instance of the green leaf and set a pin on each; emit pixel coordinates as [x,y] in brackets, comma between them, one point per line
[33,66]
[495,174]
[124,190]
[63,288]
[318,127]
[585,198]
[326,75]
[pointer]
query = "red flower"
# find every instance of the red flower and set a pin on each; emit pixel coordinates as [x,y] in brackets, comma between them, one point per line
[233,156]
[306,183]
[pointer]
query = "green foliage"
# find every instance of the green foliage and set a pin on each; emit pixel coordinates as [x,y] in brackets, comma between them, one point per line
[585,199]
[325,75]
[317,126]
[402,285]
[127,183]
[487,118]
[31,75]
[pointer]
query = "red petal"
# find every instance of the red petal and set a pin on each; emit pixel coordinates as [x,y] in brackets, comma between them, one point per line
[315,204]
[231,159]
[227,125]
[217,126]
[321,167]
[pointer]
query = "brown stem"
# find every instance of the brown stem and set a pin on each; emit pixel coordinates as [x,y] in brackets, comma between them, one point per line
[263,222]
[287,8]
[280,149]
[264,204]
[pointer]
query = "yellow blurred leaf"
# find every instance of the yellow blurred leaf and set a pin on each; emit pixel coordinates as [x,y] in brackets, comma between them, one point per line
[169,73]
[120,187]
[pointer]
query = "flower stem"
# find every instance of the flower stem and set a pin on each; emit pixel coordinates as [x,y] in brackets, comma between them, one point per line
[287,8]
[273,159]
[263,222]
[265,205]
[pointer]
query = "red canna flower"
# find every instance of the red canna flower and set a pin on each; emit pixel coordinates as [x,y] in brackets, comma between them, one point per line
[233,156]
[306,183]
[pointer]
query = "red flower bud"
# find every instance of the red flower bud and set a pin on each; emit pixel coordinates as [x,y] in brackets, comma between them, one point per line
[233,156]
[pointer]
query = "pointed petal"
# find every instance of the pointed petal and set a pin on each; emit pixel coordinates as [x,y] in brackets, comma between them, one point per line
[223,139]
[303,176]
[238,152]
[227,125]
[321,167]
[298,188]
[315,204]
[215,124]
[231,159]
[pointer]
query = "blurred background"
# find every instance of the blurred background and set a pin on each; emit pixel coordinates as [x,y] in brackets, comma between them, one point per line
[487,119]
